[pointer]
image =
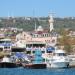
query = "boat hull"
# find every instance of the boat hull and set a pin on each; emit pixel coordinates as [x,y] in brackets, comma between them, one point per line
[8,65]
[35,66]
[59,64]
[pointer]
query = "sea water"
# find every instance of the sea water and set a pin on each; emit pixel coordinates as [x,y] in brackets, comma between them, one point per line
[23,71]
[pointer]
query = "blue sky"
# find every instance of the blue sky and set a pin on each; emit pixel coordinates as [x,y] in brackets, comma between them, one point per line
[61,8]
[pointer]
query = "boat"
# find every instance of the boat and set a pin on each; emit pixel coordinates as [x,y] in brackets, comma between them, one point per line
[59,59]
[37,62]
[72,60]
[6,62]
[36,66]
[5,44]
[18,52]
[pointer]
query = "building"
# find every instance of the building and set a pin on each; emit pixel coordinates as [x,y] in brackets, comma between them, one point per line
[39,37]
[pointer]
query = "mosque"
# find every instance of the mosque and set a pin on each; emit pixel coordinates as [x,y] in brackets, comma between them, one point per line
[39,38]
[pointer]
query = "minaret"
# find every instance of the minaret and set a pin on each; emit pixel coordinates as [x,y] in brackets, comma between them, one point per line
[51,20]
[13,17]
[35,26]
[8,16]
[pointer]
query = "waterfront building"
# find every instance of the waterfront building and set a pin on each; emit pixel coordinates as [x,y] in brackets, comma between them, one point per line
[5,45]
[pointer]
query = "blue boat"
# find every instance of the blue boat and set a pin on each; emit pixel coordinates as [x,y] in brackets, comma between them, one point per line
[37,62]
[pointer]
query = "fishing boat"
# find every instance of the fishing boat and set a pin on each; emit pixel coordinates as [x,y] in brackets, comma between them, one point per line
[37,62]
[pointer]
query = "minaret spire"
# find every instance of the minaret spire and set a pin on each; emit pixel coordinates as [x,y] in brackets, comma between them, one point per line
[8,16]
[35,26]
[51,21]
[34,20]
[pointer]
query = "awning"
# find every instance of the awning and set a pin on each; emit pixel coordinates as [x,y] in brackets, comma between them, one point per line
[50,48]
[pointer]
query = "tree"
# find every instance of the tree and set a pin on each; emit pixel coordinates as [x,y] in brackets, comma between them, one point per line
[65,40]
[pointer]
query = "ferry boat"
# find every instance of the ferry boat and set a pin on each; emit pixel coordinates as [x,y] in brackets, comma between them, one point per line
[59,59]
[7,63]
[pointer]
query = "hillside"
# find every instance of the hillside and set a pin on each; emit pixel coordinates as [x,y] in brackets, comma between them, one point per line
[28,23]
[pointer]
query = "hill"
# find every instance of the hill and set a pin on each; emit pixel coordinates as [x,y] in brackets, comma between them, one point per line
[28,23]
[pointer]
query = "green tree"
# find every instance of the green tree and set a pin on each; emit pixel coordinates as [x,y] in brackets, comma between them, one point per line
[65,40]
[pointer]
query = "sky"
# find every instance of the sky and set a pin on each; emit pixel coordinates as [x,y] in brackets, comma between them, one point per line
[60,8]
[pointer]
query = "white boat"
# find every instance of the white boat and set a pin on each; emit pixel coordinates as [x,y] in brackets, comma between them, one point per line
[7,63]
[59,59]
[72,60]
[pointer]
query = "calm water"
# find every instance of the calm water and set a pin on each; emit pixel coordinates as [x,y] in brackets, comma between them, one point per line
[21,71]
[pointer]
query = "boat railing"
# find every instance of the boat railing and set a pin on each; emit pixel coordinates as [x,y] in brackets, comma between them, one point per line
[71,57]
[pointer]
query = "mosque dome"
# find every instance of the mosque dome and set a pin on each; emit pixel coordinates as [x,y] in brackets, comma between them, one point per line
[40,28]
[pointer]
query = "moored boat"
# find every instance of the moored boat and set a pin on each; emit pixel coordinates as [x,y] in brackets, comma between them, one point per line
[7,63]
[59,59]
[37,62]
